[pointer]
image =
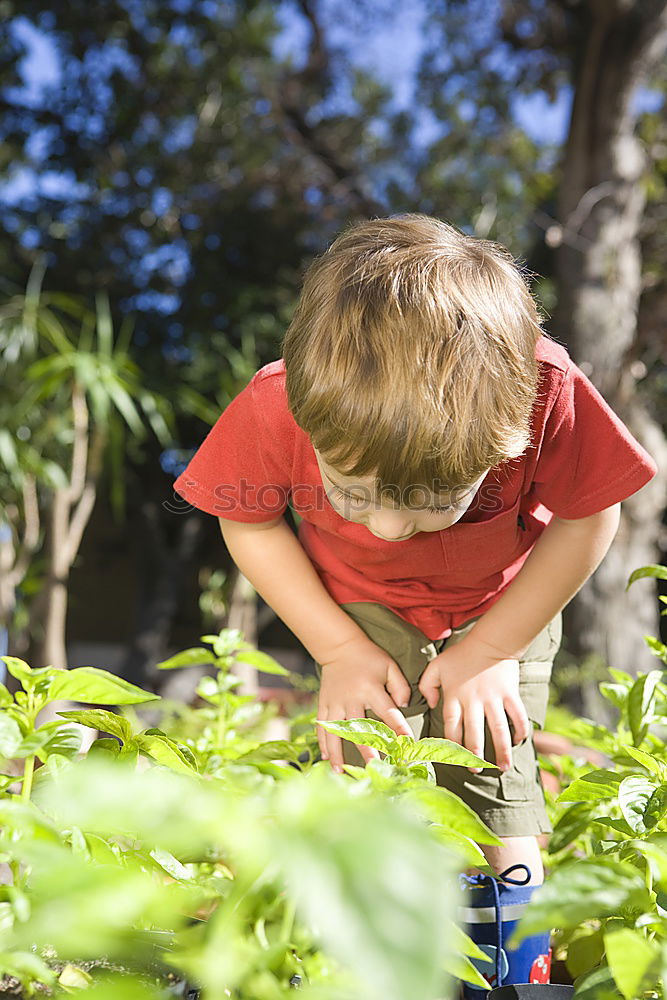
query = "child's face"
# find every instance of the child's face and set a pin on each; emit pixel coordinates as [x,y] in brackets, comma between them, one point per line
[354,499]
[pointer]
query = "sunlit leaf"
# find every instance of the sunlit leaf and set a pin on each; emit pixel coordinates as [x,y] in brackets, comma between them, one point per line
[592,787]
[631,957]
[99,687]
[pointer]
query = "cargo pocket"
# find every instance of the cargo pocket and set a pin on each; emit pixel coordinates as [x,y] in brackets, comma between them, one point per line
[518,784]
[534,690]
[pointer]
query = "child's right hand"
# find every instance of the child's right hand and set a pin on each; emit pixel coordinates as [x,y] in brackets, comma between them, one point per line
[360,675]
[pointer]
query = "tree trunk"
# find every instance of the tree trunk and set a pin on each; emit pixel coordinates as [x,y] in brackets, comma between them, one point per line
[598,272]
[54,652]
[243,616]
[163,566]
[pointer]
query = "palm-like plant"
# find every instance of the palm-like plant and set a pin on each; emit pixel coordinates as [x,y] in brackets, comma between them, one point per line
[73,395]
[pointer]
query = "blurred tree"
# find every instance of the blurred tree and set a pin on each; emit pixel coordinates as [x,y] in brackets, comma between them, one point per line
[73,391]
[614,48]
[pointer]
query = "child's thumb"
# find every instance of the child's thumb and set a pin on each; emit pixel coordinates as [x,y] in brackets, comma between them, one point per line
[398,687]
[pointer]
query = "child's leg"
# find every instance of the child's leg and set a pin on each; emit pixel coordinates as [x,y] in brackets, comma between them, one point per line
[516,851]
[512,805]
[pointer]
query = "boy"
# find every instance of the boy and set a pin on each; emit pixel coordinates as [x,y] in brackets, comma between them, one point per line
[458,480]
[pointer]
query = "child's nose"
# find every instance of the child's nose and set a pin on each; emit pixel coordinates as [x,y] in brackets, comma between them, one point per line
[392,525]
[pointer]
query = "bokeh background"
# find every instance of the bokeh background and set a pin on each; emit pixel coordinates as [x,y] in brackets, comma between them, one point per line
[167,170]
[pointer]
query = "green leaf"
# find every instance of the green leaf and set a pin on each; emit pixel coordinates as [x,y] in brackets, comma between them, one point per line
[65,741]
[208,689]
[598,984]
[583,890]
[125,405]
[446,808]
[592,787]
[105,747]
[658,572]
[334,846]
[655,853]
[569,825]
[227,642]
[11,736]
[658,648]
[263,662]
[100,851]
[99,687]
[614,823]
[188,658]
[74,978]
[444,752]
[165,751]
[26,967]
[19,669]
[98,718]
[33,742]
[656,807]
[464,944]
[622,677]
[640,701]
[462,968]
[5,697]
[631,957]
[366,732]
[270,750]
[647,760]
[168,863]
[634,793]
[584,951]
[617,694]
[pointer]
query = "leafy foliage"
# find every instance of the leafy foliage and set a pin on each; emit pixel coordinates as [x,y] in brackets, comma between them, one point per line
[607,887]
[245,866]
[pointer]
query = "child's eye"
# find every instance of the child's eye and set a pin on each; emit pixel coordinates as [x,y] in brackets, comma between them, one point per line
[346,496]
[437,510]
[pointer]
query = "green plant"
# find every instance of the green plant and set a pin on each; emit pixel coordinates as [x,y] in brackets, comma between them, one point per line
[607,888]
[246,866]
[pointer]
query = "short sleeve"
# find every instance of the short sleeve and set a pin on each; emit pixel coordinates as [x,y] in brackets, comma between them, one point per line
[588,459]
[240,471]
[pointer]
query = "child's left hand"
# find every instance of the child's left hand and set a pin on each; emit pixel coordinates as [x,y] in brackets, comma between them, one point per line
[477,686]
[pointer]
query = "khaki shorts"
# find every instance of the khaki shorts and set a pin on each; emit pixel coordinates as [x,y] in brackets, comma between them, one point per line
[510,803]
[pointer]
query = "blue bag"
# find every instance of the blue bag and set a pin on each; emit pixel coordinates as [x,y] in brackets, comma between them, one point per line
[492,910]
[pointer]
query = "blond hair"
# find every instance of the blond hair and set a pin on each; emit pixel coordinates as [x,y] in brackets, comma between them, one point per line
[411,354]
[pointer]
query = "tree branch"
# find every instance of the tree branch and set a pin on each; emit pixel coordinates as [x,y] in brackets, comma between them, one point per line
[31,533]
[80,444]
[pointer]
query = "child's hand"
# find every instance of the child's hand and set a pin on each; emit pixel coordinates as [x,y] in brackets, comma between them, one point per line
[476,686]
[357,676]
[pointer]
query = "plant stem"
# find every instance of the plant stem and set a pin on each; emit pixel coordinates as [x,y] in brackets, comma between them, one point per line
[222,725]
[15,868]
[28,772]
[288,920]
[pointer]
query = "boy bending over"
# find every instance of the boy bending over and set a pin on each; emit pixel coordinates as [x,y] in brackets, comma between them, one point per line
[458,480]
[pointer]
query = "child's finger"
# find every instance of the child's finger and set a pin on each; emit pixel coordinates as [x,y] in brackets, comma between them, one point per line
[392,716]
[452,719]
[398,686]
[473,730]
[335,743]
[496,720]
[516,710]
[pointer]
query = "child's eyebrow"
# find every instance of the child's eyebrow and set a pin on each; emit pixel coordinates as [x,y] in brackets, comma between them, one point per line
[444,506]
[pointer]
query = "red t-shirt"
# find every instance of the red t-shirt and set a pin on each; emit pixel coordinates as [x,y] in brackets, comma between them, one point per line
[583,459]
